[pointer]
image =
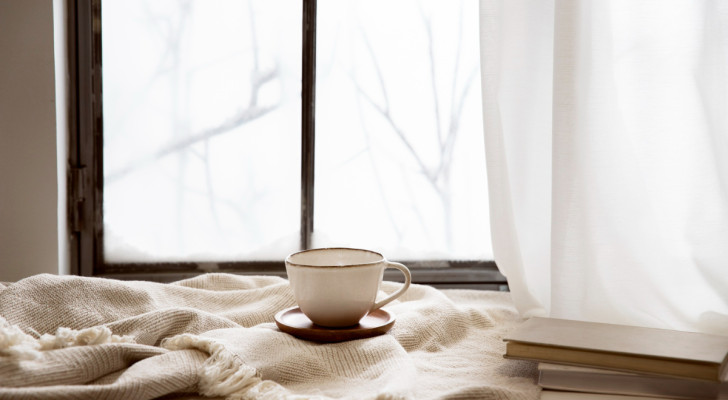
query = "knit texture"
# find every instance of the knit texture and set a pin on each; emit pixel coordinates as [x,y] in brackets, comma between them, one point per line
[67,337]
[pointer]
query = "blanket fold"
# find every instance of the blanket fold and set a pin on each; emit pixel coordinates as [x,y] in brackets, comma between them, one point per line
[214,336]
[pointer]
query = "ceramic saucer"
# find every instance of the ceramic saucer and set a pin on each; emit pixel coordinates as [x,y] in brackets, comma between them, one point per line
[294,322]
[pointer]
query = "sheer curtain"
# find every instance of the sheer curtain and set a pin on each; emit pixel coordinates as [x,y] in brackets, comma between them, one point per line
[606,131]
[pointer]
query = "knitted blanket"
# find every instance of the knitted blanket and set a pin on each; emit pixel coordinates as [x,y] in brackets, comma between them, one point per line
[214,335]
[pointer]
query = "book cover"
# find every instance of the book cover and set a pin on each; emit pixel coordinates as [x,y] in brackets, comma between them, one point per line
[557,395]
[592,380]
[620,347]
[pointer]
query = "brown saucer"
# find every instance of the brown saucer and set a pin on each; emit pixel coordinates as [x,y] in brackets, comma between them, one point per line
[294,322]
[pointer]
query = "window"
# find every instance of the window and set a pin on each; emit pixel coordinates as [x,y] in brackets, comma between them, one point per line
[224,135]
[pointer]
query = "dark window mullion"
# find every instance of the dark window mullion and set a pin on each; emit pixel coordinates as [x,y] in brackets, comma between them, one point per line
[85,175]
[308,113]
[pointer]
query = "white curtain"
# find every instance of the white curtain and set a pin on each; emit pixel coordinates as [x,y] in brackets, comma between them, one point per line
[606,130]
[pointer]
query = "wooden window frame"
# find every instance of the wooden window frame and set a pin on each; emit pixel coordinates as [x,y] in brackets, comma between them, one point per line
[85,174]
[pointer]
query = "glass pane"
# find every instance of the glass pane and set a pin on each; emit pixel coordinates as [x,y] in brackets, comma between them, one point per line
[400,159]
[201,103]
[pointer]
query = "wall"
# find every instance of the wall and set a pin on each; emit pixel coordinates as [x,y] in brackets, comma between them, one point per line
[29,239]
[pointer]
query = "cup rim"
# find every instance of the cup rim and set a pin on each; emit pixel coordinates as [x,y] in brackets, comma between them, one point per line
[289,262]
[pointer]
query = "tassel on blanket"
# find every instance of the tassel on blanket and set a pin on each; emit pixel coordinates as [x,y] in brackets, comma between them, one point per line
[16,344]
[66,337]
[224,374]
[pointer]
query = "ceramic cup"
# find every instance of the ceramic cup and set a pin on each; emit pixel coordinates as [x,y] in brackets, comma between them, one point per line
[337,287]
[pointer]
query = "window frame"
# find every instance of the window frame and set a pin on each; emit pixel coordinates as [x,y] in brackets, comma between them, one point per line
[85,179]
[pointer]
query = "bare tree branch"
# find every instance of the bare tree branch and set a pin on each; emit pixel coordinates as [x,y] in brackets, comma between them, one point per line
[433,77]
[252,111]
[380,76]
[454,126]
[446,136]
[456,70]
[399,132]
[387,208]
[242,117]
[386,113]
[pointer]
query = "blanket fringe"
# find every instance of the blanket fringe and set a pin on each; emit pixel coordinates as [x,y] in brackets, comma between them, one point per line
[66,337]
[18,345]
[224,374]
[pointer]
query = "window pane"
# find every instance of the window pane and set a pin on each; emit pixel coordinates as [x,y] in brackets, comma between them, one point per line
[201,103]
[400,163]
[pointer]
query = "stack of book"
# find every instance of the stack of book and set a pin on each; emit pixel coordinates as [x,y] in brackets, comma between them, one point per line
[586,360]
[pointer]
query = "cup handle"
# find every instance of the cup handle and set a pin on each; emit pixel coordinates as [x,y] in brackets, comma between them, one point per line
[407,281]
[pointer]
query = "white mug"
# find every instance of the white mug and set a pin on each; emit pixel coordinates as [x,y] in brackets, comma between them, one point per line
[337,287]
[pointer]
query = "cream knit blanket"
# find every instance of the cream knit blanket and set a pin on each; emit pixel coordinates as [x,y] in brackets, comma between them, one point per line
[213,335]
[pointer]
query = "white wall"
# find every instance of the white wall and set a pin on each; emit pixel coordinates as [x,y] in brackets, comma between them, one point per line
[28,153]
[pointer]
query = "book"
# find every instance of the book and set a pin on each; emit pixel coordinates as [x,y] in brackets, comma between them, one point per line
[593,380]
[557,395]
[620,347]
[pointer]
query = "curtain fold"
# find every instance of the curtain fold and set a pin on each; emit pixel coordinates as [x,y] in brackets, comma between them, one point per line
[606,133]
